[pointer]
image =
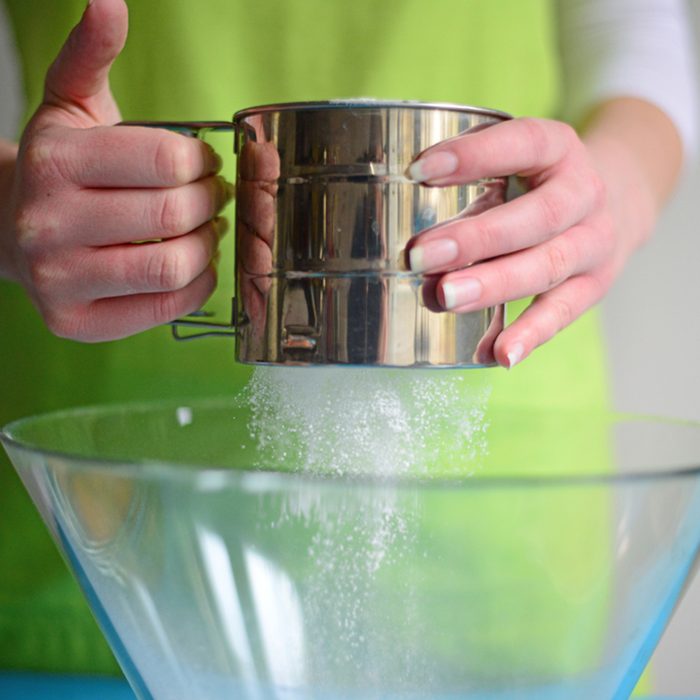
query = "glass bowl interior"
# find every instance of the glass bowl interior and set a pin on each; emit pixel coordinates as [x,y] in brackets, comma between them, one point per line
[178,439]
[544,561]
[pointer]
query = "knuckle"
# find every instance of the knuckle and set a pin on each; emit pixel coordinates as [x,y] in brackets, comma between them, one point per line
[552,212]
[170,213]
[560,313]
[173,160]
[486,239]
[34,230]
[64,323]
[557,265]
[505,279]
[26,226]
[167,271]
[537,137]
[38,154]
[42,277]
[166,308]
[44,157]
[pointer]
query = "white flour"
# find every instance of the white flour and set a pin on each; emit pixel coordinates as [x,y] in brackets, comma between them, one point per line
[350,422]
[355,425]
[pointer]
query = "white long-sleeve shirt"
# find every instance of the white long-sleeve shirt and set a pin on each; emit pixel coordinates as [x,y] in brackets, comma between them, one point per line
[631,48]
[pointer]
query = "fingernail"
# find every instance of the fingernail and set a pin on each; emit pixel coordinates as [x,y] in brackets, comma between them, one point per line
[432,166]
[433,254]
[461,292]
[226,192]
[515,354]
[222,226]
[216,161]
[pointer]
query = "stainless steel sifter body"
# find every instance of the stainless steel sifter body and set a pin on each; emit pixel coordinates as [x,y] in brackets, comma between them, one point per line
[324,212]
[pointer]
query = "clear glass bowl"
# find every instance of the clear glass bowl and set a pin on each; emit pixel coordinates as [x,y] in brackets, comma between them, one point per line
[545,566]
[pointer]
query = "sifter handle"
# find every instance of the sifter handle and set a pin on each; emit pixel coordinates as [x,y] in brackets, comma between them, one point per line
[198,319]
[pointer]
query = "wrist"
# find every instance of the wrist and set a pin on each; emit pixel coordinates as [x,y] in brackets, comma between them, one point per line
[631,200]
[8,160]
[641,133]
[638,155]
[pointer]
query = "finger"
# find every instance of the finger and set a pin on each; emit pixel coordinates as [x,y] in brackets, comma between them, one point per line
[255,255]
[131,156]
[110,217]
[80,72]
[259,162]
[518,146]
[151,267]
[119,317]
[484,353]
[548,314]
[524,273]
[256,209]
[533,218]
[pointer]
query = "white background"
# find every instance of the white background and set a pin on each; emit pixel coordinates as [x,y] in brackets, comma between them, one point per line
[653,331]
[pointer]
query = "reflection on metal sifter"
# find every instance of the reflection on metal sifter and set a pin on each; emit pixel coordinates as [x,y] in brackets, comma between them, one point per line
[324,212]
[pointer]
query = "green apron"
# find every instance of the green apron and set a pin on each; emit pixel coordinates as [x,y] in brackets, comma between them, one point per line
[199,61]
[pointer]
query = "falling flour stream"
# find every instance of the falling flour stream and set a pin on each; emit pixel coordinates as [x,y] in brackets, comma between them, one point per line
[351,422]
[354,423]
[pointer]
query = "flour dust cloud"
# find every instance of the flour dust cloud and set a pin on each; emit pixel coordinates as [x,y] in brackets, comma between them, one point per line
[369,438]
[351,422]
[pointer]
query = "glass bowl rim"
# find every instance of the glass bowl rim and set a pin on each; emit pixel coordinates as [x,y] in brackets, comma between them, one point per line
[213,477]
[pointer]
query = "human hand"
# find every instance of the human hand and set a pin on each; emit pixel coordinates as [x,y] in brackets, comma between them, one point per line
[259,171]
[558,241]
[84,192]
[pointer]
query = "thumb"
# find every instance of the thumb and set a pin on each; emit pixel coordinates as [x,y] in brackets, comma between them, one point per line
[79,77]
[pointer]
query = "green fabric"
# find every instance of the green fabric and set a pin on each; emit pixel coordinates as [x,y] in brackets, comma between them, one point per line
[189,60]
